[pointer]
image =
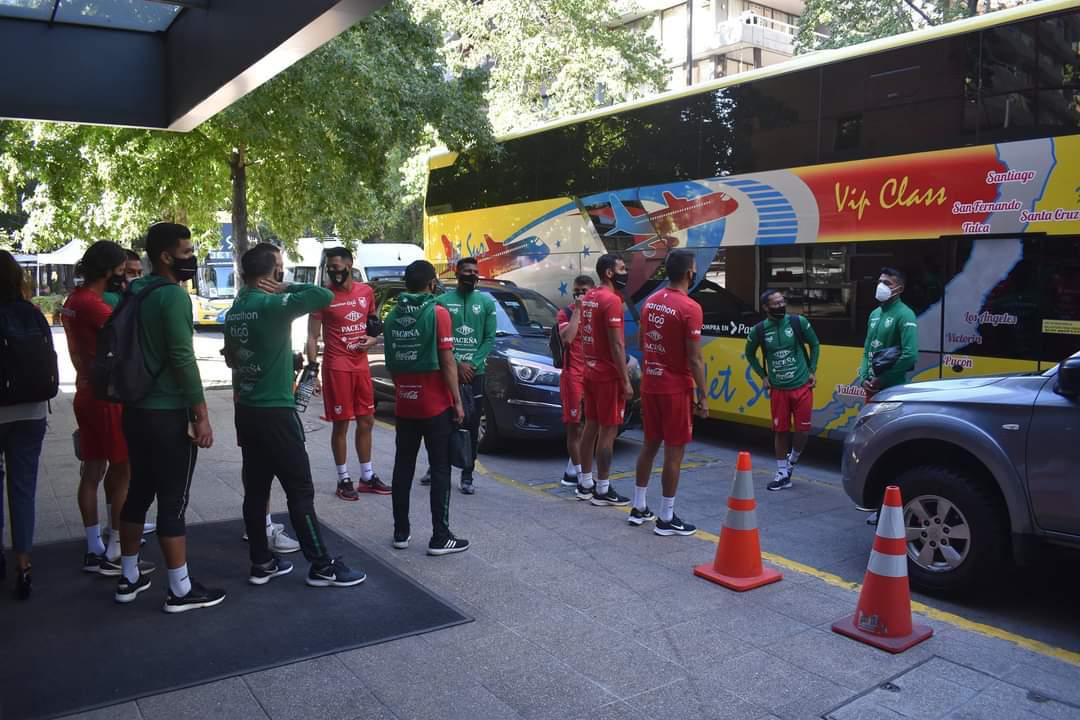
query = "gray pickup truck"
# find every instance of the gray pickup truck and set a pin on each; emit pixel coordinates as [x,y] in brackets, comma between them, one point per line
[989,468]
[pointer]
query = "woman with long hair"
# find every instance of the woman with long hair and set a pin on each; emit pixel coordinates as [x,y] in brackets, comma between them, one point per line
[22,429]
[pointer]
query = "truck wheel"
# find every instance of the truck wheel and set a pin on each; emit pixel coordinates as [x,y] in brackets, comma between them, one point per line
[489,439]
[956,532]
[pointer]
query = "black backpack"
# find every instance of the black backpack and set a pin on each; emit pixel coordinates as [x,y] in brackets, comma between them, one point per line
[120,374]
[28,368]
[556,346]
[758,333]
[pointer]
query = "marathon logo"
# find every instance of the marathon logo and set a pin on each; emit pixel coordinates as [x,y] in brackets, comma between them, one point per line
[241,315]
[660,307]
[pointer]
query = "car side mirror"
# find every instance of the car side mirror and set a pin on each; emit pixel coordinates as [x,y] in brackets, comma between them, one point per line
[1068,377]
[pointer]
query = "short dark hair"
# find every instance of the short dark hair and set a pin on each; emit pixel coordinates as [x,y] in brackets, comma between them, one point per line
[132,255]
[418,275]
[678,263]
[768,294]
[259,261]
[341,251]
[584,280]
[466,261]
[99,260]
[895,273]
[162,237]
[605,263]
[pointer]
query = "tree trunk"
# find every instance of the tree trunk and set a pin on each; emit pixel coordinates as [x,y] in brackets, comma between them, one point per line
[238,171]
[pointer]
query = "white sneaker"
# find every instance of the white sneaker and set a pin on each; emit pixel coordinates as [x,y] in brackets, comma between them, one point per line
[149,528]
[280,542]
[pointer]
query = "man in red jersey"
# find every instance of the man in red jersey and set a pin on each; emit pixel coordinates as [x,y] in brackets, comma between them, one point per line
[672,389]
[607,380]
[101,437]
[572,379]
[346,379]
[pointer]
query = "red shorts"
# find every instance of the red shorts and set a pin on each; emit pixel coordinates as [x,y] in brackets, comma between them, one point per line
[668,417]
[347,395]
[101,434]
[785,403]
[572,393]
[604,403]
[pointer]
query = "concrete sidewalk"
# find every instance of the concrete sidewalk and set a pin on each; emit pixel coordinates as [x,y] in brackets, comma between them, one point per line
[579,615]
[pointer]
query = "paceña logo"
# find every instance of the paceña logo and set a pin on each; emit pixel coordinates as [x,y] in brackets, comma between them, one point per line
[353,316]
[406,321]
[466,330]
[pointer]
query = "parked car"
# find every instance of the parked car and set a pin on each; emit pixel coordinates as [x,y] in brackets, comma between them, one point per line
[987,468]
[522,386]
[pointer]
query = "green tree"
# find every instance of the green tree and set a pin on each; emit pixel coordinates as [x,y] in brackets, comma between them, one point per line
[848,22]
[319,146]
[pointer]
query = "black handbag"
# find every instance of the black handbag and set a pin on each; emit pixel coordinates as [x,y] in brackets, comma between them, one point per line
[882,361]
[462,453]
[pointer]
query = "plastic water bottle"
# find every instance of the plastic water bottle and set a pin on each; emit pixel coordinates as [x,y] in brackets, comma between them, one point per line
[305,389]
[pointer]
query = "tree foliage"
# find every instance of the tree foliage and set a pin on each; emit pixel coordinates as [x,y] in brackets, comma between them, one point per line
[319,146]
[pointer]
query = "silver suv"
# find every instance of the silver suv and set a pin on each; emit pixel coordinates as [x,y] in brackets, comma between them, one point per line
[986,466]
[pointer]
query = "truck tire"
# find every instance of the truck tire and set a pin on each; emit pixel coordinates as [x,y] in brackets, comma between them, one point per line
[956,530]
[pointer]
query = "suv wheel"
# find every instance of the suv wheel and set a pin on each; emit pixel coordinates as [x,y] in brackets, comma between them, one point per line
[488,439]
[955,531]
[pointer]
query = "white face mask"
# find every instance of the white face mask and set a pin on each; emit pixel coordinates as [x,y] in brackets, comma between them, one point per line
[883,293]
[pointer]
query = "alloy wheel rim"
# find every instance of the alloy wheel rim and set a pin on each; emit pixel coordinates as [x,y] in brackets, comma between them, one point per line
[938,533]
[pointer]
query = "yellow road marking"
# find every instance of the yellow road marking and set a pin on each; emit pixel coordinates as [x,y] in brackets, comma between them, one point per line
[958,621]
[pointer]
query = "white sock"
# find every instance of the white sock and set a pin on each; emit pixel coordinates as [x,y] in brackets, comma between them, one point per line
[93,540]
[639,497]
[108,515]
[602,486]
[343,473]
[571,468]
[577,469]
[586,480]
[179,582]
[794,456]
[269,520]
[113,550]
[782,465]
[667,508]
[366,472]
[129,565]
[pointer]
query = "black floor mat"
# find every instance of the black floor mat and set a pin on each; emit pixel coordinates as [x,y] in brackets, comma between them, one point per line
[70,648]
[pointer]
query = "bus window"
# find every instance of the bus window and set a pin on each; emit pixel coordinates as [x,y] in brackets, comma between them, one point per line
[1061,314]
[726,294]
[813,277]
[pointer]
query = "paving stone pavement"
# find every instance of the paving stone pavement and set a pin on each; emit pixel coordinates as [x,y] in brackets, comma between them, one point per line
[578,615]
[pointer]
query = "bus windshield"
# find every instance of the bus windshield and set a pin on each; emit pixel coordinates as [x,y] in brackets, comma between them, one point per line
[217,280]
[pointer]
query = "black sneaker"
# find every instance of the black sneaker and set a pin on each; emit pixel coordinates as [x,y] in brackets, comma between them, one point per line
[640,517]
[610,498]
[568,480]
[467,487]
[126,591]
[401,540]
[276,567]
[374,485]
[23,583]
[584,493]
[334,574]
[447,545]
[675,527]
[782,481]
[426,480]
[197,598]
[92,562]
[114,568]
[346,492]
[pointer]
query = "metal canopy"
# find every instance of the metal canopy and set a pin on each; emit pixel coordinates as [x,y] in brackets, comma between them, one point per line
[167,64]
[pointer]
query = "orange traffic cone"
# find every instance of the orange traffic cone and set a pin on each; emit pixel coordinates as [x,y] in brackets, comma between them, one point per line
[883,616]
[738,554]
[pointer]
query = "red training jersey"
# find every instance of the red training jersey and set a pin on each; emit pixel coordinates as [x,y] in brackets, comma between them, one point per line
[424,394]
[601,308]
[84,314]
[574,361]
[344,327]
[668,320]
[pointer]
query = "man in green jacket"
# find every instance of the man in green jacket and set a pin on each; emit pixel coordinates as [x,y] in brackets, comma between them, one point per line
[165,429]
[891,325]
[788,375]
[473,316]
[258,348]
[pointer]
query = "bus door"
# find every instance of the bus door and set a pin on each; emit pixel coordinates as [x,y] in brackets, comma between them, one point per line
[993,305]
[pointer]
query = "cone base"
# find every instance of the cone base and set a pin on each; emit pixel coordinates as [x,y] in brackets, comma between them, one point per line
[894,645]
[739,584]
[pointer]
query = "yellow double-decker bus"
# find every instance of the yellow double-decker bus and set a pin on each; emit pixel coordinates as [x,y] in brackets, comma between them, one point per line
[951,153]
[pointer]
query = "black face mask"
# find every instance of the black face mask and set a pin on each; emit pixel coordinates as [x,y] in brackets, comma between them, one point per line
[338,277]
[185,268]
[467,283]
[619,280]
[279,276]
[778,312]
[115,283]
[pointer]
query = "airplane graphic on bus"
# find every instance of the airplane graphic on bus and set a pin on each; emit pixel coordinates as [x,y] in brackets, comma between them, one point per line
[495,258]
